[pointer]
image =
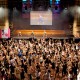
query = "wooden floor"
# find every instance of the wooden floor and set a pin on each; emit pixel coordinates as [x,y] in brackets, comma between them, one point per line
[39,33]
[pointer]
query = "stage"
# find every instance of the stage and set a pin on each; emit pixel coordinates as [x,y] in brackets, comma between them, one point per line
[39,33]
[60,26]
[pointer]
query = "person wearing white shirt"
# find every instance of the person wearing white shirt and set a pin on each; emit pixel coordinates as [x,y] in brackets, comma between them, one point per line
[78,76]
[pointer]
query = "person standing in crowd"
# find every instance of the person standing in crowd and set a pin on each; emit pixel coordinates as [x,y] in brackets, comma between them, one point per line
[22,74]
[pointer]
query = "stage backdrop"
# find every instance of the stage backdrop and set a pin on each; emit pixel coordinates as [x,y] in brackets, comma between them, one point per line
[4,33]
[41,17]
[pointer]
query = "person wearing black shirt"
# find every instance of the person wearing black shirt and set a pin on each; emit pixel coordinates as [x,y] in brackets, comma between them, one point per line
[3,72]
[64,70]
[12,69]
[22,74]
[25,67]
[12,77]
[53,65]
[38,66]
[74,69]
[29,62]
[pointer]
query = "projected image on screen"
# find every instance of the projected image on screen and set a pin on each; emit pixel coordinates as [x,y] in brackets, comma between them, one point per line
[41,18]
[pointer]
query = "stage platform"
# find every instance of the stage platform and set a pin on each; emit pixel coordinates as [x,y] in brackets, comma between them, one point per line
[39,33]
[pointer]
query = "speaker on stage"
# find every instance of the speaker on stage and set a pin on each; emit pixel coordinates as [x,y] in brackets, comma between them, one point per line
[18,4]
[44,4]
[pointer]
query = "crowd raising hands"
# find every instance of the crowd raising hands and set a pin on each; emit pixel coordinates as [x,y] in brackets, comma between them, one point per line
[39,59]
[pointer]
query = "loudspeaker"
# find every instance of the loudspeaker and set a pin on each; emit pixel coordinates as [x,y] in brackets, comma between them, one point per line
[56,7]
[25,7]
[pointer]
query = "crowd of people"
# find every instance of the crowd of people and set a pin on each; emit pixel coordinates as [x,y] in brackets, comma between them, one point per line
[39,59]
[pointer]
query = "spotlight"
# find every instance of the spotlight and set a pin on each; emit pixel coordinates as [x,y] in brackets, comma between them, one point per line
[78,10]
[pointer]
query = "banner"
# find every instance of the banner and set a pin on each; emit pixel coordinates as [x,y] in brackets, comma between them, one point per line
[4,33]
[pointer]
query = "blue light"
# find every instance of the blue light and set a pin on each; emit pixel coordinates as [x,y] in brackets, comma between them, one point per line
[50,2]
[24,0]
[30,1]
[57,0]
